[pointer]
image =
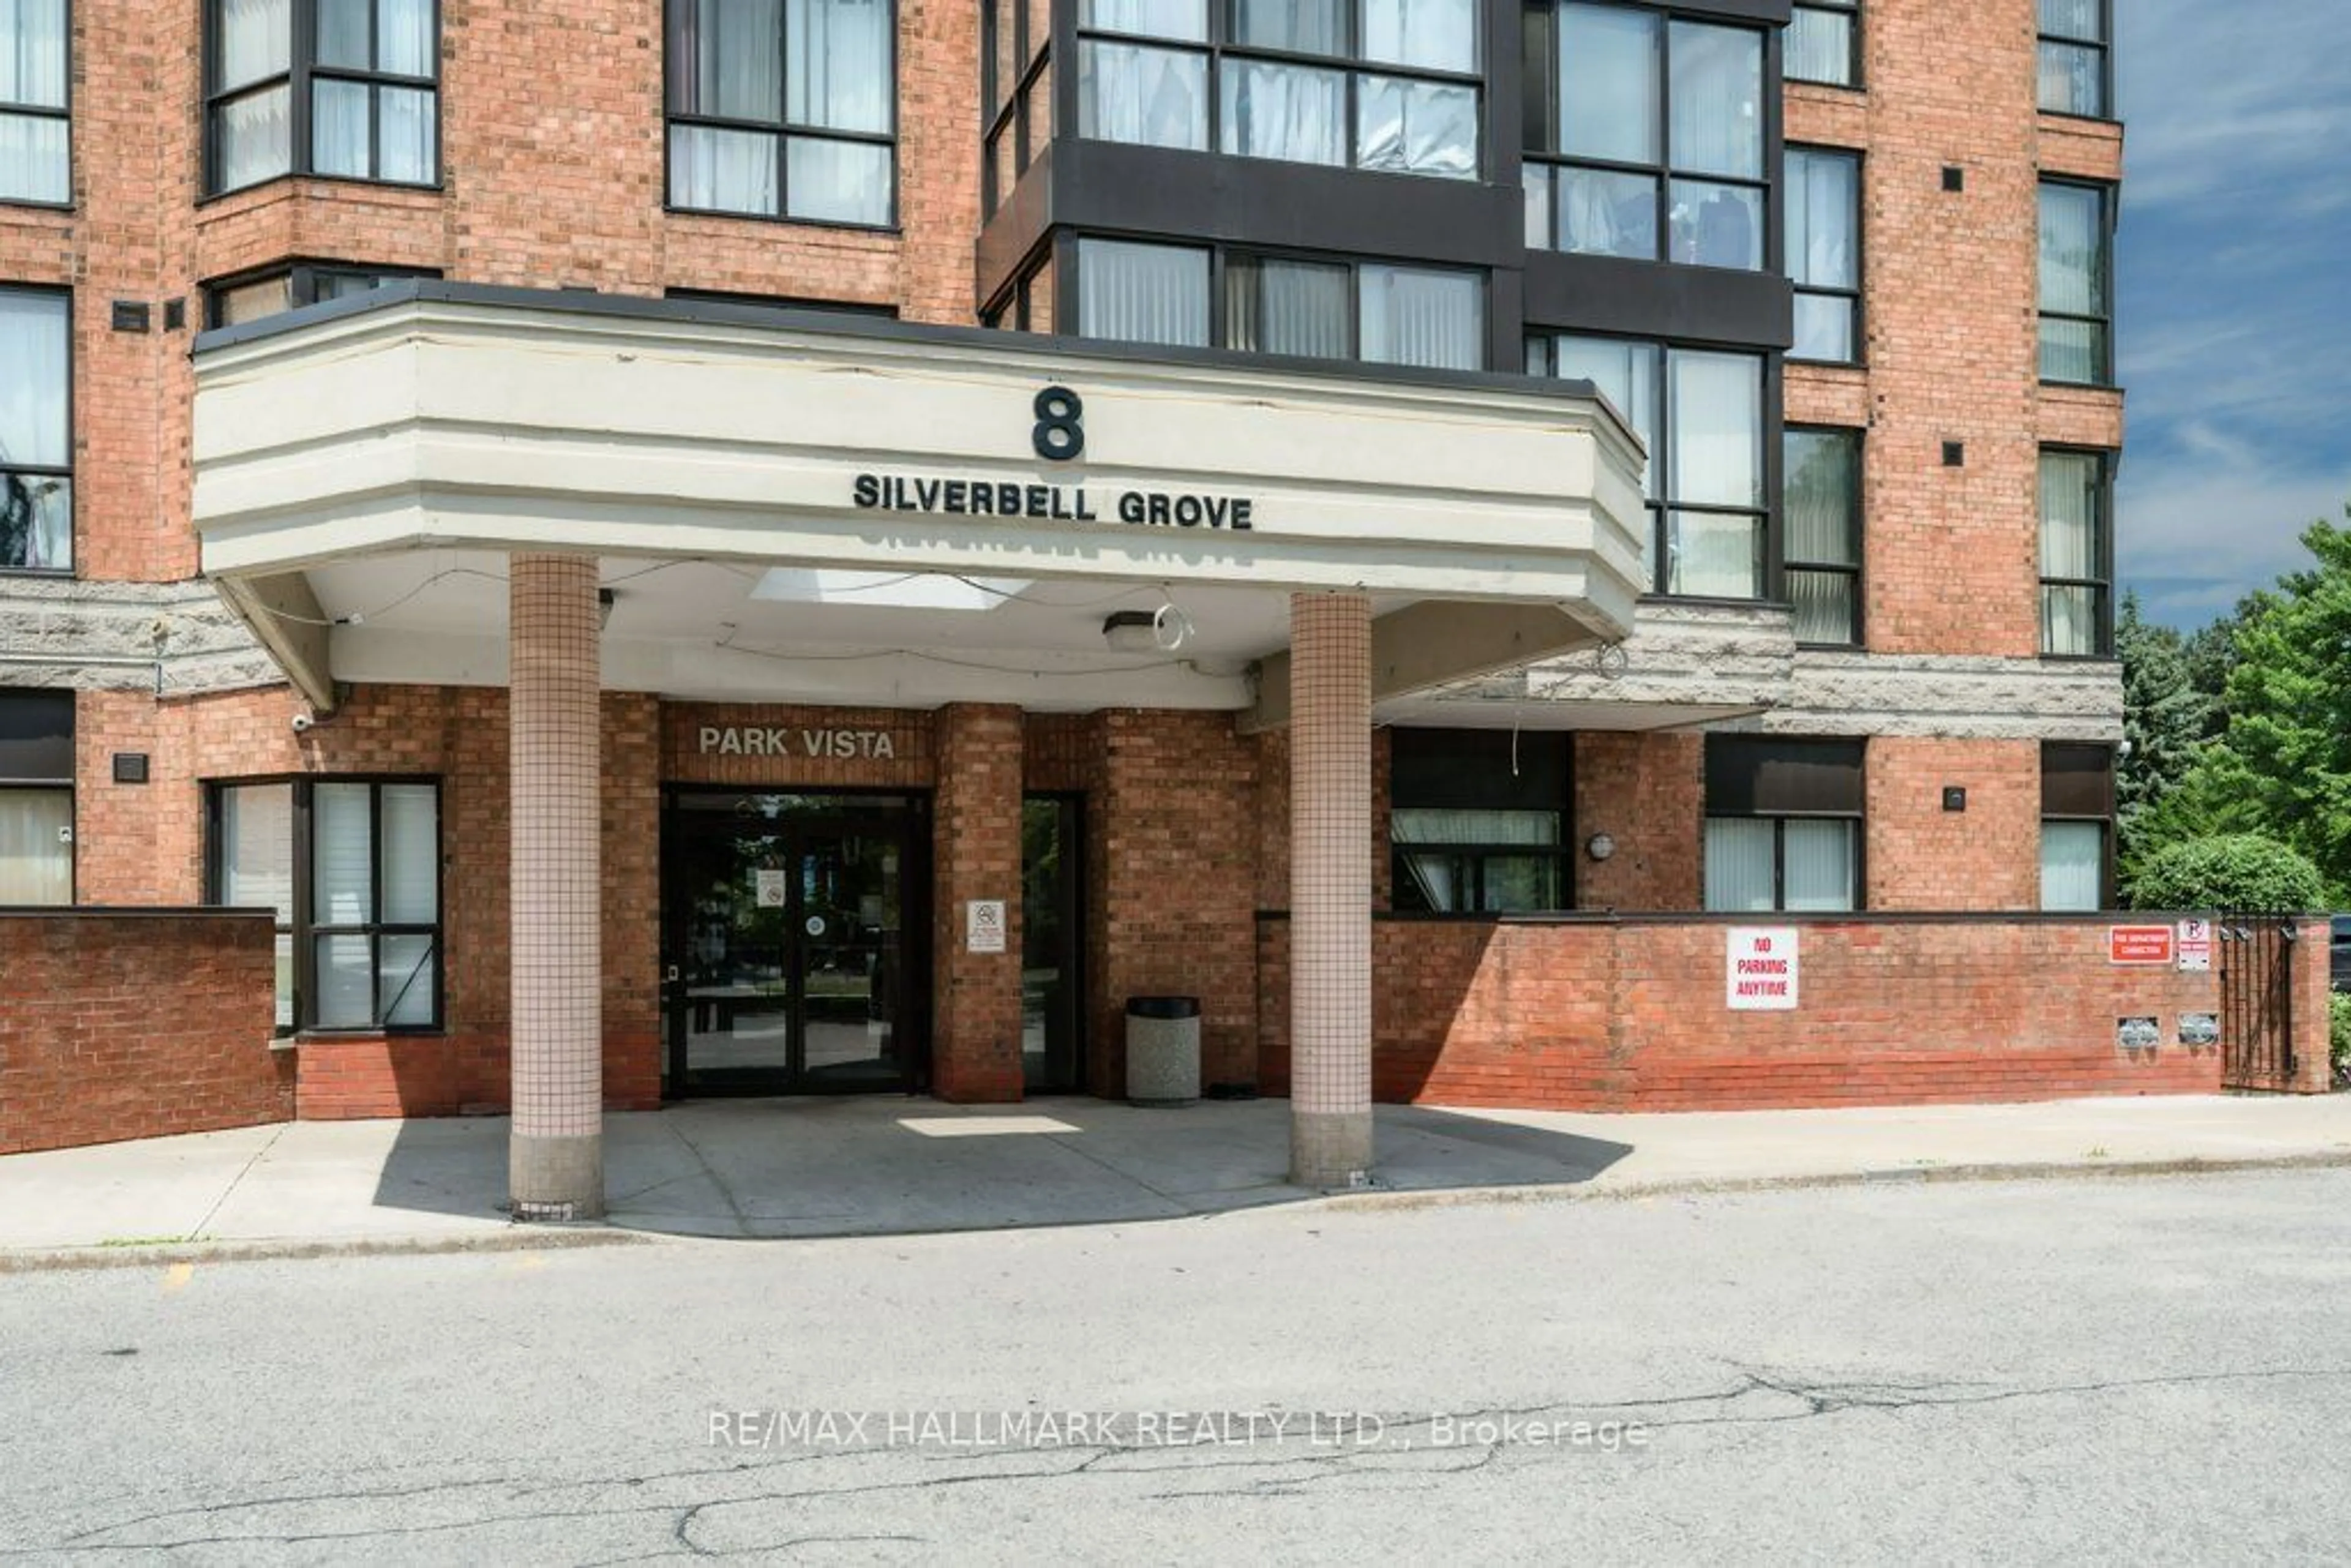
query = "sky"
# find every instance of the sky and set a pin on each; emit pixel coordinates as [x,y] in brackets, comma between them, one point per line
[2233,276]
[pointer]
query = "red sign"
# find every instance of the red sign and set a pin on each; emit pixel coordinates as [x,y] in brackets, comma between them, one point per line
[2139,944]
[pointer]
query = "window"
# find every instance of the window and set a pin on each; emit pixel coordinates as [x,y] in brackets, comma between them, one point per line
[2074,76]
[777,302]
[1385,314]
[344,89]
[236,301]
[1478,820]
[1823,507]
[353,869]
[35,153]
[36,430]
[1645,137]
[1014,50]
[2077,809]
[1823,43]
[1823,247]
[1782,824]
[37,801]
[1390,85]
[784,109]
[2076,554]
[1700,413]
[1027,304]
[2076,283]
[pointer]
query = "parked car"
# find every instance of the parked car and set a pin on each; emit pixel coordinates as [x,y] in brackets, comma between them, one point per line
[2338,953]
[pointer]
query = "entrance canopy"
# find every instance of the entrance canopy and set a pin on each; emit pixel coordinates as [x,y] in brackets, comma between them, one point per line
[795,506]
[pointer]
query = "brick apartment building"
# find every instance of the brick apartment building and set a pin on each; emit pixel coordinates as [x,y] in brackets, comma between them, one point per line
[688,546]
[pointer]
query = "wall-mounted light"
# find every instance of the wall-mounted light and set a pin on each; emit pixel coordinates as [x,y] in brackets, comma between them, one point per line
[604,598]
[1160,631]
[1600,846]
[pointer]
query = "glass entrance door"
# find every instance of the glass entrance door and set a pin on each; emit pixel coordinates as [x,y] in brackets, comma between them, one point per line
[1052,930]
[794,943]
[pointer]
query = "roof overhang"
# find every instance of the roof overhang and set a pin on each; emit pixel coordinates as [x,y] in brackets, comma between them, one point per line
[462,423]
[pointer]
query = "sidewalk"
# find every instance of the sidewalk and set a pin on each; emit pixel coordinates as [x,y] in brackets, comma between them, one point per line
[780,1168]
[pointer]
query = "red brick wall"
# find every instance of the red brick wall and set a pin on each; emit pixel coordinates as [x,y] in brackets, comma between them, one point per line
[1923,857]
[1172,865]
[1648,793]
[976,1017]
[134,1025]
[1608,1015]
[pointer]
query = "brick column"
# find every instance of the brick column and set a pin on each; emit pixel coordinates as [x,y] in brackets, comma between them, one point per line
[1329,888]
[976,1021]
[555,1156]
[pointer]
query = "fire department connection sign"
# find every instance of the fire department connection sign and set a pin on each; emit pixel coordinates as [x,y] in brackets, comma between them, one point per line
[1761,970]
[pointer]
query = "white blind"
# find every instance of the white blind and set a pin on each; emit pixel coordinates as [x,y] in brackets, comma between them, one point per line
[35,859]
[1414,316]
[256,852]
[1739,874]
[839,59]
[2072,865]
[342,870]
[1822,865]
[412,853]
[1142,293]
[33,53]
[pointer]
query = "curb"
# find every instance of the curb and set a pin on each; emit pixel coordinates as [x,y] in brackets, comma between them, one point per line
[1677,1186]
[143,1255]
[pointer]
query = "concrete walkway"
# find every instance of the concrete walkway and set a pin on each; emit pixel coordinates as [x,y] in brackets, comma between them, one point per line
[875,1166]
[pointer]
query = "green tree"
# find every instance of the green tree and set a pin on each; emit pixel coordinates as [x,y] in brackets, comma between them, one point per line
[2237,871]
[2164,719]
[2282,766]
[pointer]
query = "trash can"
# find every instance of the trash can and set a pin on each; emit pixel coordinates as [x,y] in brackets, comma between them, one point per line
[1162,1049]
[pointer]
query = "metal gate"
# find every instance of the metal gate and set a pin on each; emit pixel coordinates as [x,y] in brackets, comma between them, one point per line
[2256,954]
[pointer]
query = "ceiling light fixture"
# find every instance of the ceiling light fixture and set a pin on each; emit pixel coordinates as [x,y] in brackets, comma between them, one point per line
[1160,631]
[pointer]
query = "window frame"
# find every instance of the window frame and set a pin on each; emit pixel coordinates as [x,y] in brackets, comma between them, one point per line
[1543,344]
[64,784]
[1011,108]
[302,68]
[304,929]
[1856,523]
[1854,297]
[1850,9]
[1540,165]
[1710,811]
[2104,45]
[9,107]
[2103,372]
[785,130]
[1468,857]
[2063,811]
[2101,552]
[302,278]
[1219,46]
[64,297]
[1072,288]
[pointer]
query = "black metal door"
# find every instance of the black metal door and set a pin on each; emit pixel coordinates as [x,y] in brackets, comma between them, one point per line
[2256,958]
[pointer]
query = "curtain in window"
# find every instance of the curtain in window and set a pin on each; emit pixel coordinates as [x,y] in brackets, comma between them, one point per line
[1716,447]
[2073,281]
[837,181]
[1820,47]
[1608,83]
[1186,19]
[1718,99]
[1298,26]
[256,40]
[36,509]
[1151,98]
[1739,870]
[1626,375]
[1716,555]
[2072,79]
[342,855]
[838,55]
[1472,827]
[1142,293]
[2072,865]
[1292,112]
[408,117]
[2071,523]
[35,164]
[1823,483]
[723,170]
[36,860]
[1412,317]
[1823,211]
[1416,127]
[339,127]
[1438,35]
[1286,308]
[404,39]
[1822,865]
[2072,18]
[726,59]
[411,854]
[256,868]
[1605,211]
[343,34]
[1512,881]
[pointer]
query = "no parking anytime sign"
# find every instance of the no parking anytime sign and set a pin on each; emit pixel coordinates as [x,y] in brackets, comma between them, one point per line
[1761,970]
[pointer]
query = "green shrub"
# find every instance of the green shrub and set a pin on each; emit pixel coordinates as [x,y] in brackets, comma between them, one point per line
[2237,871]
[2338,1032]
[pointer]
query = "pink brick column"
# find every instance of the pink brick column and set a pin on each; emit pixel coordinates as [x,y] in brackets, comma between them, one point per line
[555,1156]
[1329,888]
